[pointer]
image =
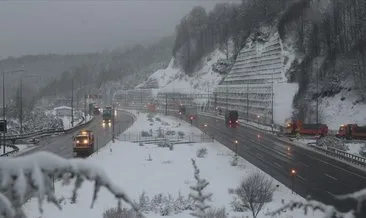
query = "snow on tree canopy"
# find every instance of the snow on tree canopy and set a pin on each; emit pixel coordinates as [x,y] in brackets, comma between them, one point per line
[22,177]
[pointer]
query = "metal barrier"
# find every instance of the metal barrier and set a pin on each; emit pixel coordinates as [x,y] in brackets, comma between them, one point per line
[176,138]
[80,125]
[343,155]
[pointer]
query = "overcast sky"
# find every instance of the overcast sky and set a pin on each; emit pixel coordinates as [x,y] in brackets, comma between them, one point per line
[31,27]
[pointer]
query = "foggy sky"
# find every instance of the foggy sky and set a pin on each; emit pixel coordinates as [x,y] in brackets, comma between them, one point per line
[31,27]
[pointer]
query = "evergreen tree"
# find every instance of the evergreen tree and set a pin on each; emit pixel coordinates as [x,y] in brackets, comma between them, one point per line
[199,198]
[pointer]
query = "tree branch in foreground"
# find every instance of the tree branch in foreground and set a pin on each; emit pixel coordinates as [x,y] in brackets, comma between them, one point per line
[22,177]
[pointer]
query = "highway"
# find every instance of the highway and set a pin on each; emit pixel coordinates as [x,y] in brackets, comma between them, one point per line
[317,175]
[62,144]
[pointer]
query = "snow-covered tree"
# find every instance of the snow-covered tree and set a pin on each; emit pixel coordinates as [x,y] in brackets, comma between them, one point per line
[32,175]
[199,198]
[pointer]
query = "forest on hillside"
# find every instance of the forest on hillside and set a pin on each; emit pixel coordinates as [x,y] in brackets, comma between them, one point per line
[54,74]
[328,38]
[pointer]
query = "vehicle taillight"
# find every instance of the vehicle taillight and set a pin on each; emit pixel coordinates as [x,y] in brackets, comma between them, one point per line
[229,121]
[237,121]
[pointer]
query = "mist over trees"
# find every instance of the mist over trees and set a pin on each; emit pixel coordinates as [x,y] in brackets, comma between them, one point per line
[328,38]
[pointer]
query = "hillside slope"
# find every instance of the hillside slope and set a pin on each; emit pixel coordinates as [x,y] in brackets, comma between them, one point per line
[174,79]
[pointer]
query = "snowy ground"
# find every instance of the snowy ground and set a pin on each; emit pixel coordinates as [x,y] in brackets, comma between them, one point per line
[158,170]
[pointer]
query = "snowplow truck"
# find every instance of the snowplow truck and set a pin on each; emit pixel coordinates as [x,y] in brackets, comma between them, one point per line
[352,131]
[232,119]
[182,110]
[299,128]
[84,143]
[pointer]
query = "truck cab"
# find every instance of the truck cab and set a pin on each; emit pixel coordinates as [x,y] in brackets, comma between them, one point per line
[232,119]
[84,143]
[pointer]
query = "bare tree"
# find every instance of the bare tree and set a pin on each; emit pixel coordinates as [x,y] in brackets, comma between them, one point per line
[253,192]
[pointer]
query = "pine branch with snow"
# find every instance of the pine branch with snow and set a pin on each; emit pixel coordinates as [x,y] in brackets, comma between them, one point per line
[329,211]
[199,198]
[24,177]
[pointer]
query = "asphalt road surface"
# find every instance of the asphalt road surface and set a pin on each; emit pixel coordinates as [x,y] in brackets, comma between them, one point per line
[62,145]
[317,175]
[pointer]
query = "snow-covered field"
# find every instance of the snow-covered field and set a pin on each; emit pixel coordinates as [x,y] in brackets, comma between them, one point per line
[159,170]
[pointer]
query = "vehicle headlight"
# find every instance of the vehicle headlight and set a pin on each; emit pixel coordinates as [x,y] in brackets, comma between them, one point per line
[86,141]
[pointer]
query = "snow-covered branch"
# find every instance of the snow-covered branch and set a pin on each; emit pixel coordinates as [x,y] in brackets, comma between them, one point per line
[22,177]
[359,196]
[329,211]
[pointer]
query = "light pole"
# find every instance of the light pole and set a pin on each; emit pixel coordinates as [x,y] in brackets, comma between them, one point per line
[113,122]
[72,102]
[236,146]
[272,122]
[292,174]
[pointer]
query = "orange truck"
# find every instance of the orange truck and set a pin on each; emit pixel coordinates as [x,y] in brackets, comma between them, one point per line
[84,143]
[352,131]
[298,127]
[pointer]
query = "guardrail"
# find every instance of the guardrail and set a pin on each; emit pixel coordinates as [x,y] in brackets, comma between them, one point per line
[80,125]
[191,138]
[332,151]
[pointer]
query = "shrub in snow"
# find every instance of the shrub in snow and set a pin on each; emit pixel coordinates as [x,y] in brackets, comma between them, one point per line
[170,132]
[362,151]
[145,134]
[120,213]
[201,153]
[149,159]
[31,175]
[253,192]
[331,141]
[141,144]
[163,205]
[234,161]
[198,196]
[216,213]
[160,133]
[180,134]
[158,119]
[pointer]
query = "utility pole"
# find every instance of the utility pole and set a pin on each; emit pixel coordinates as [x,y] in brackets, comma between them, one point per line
[227,96]
[85,112]
[72,102]
[317,97]
[272,122]
[166,103]
[247,102]
[4,110]
[113,122]
[21,105]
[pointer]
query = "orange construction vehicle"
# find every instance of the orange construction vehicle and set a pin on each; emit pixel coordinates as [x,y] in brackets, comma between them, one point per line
[151,107]
[84,143]
[352,131]
[298,127]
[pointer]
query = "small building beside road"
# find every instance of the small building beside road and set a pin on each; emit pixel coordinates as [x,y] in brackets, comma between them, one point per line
[63,111]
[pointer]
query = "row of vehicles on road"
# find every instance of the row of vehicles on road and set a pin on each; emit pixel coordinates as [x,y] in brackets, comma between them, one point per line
[346,131]
[190,113]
